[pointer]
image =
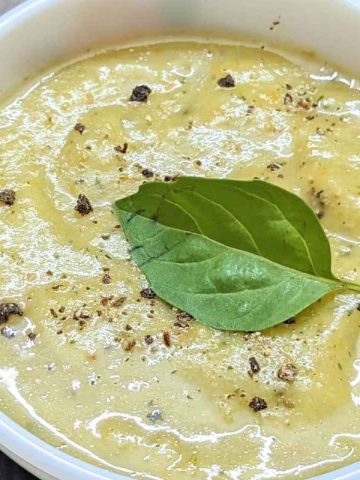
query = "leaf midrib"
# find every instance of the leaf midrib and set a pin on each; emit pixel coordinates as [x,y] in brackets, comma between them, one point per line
[337,283]
[251,194]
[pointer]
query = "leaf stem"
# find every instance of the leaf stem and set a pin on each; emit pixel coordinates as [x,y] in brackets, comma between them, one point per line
[352,286]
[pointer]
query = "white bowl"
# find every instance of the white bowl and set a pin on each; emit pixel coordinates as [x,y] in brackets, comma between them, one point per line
[40,33]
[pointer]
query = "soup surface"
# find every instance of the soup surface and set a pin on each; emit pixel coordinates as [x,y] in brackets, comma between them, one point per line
[95,365]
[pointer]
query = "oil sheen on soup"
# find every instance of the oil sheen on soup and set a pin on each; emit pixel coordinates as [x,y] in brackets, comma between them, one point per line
[100,367]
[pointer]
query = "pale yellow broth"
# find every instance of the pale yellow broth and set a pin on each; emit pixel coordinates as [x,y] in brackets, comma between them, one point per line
[84,386]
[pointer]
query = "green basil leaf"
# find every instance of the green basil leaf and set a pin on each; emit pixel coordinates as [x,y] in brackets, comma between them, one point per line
[237,255]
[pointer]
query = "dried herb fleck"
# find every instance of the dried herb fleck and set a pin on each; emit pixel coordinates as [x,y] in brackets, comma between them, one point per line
[288,99]
[274,24]
[129,344]
[121,149]
[287,372]
[304,103]
[167,339]
[183,319]
[119,302]
[318,200]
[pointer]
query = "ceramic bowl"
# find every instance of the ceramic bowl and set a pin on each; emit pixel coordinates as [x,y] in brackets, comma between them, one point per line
[41,33]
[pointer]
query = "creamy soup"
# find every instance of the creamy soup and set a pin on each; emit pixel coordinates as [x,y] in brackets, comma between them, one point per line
[99,367]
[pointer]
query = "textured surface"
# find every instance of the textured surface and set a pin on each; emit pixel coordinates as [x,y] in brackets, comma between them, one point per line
[8,469]
[100,353]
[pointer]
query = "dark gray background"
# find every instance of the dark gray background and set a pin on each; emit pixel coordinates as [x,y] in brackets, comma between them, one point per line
[10,471]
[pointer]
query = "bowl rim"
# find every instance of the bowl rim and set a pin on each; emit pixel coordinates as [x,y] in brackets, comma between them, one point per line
[16,12]
[24,447]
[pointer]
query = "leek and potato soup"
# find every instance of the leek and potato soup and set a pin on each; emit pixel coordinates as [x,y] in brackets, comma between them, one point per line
[91,360]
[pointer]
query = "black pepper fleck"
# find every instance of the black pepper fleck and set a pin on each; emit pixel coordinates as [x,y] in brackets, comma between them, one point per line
[148,293]
[226,82]
[7,309]
[254,366]
[183,320]
[258,404]
[83,205]
[148,339]
[290,321]
[79,127]
[7,332]
[106,279]
[154,416]
[140,93]
[7,197]
[274,166]
[147,173]
[169,178]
